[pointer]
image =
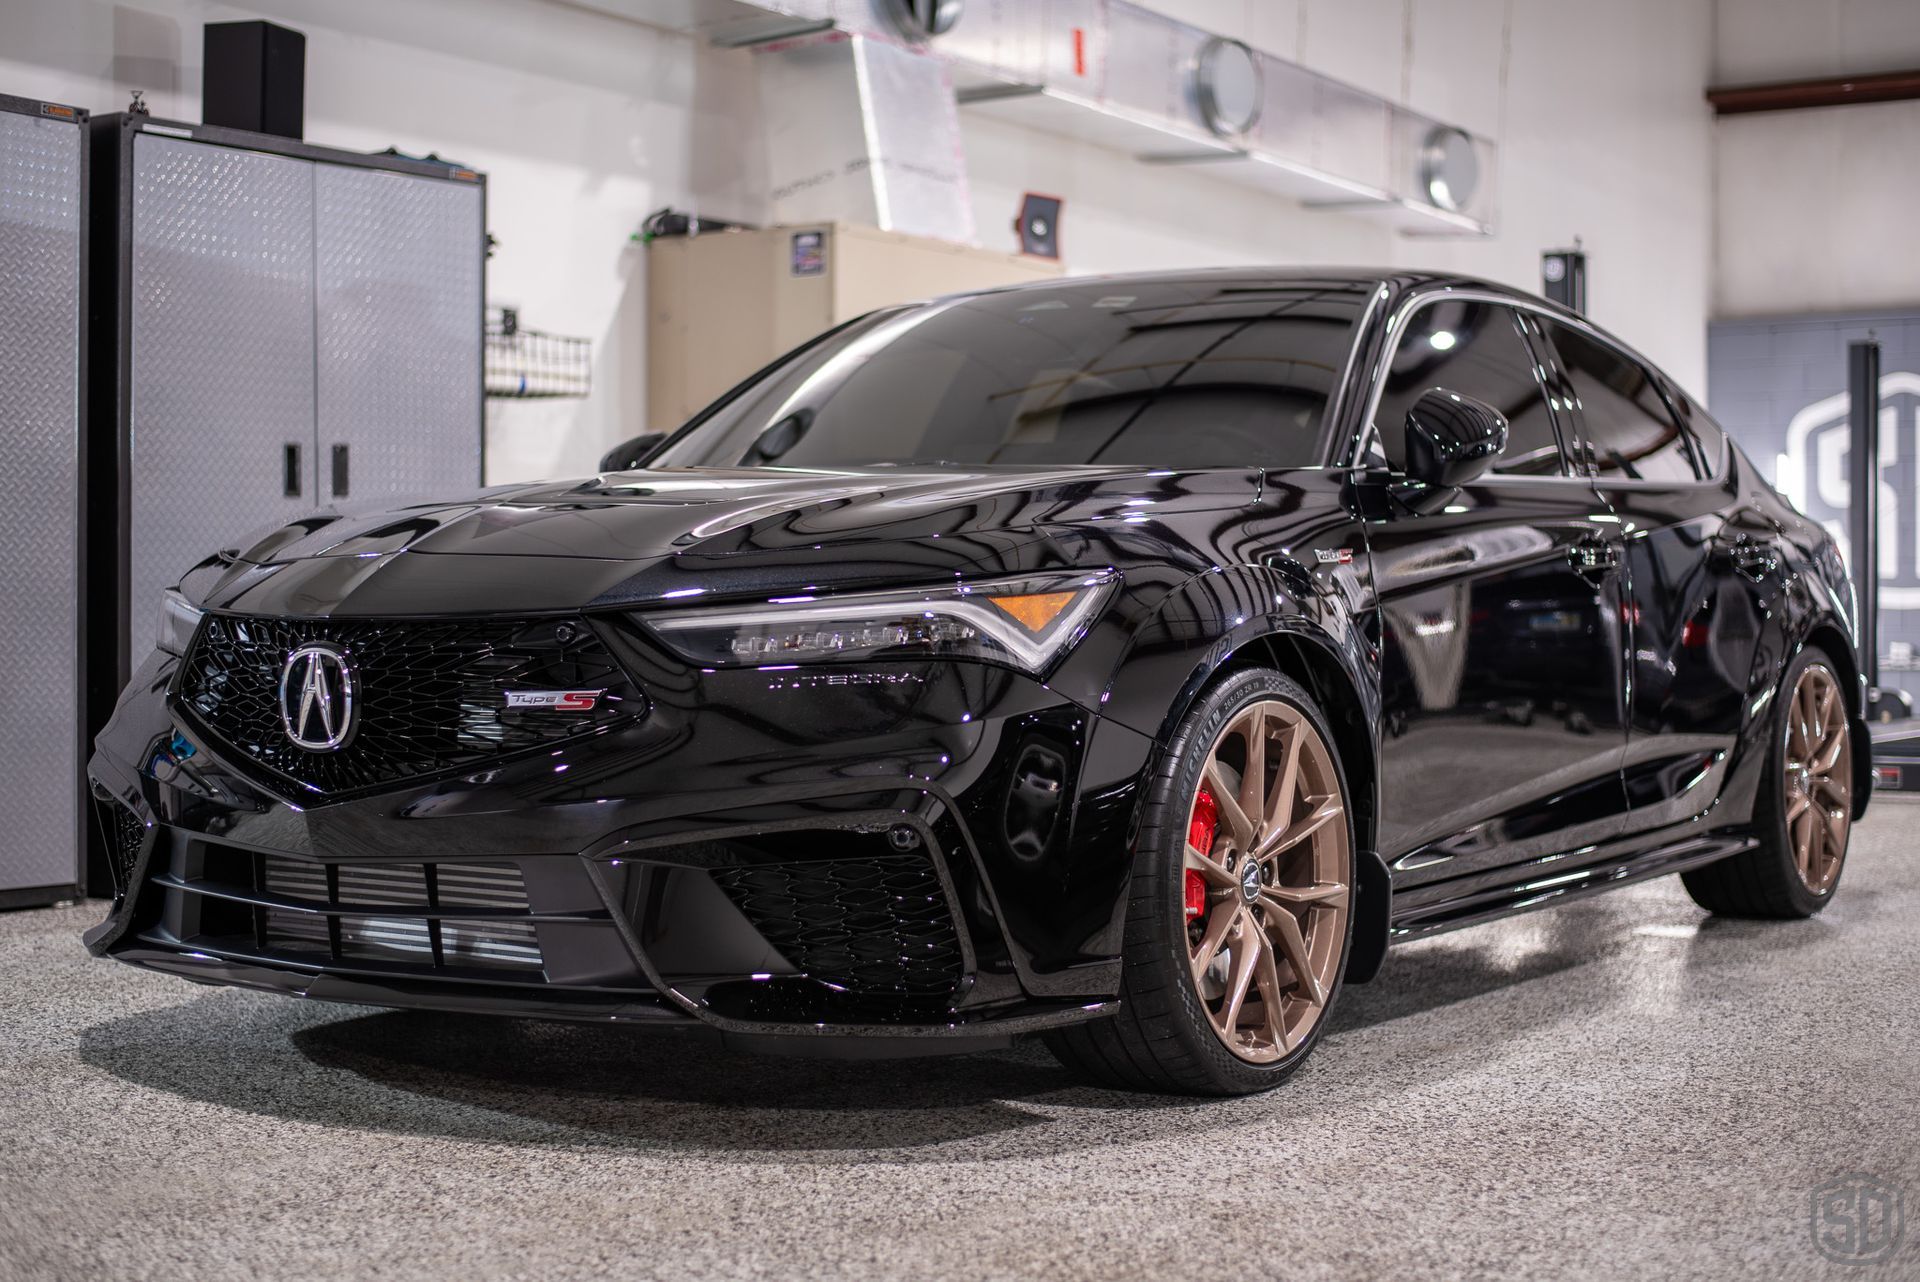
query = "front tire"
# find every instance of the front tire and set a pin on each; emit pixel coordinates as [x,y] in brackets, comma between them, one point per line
[1240,915]
[1803,812]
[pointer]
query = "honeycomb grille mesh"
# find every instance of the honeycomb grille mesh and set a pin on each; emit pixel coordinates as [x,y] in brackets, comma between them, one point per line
[125,834]
[429,695]
[878,928]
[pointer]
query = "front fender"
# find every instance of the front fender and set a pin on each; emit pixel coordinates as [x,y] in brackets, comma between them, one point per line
[1313,626]
[1278,615]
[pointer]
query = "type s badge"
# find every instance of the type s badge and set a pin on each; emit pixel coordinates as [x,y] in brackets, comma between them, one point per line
[556,700]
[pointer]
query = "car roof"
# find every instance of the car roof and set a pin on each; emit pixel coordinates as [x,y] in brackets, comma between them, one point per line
[1399,282]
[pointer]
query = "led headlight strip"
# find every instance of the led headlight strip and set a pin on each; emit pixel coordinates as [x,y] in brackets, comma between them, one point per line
[1025,623]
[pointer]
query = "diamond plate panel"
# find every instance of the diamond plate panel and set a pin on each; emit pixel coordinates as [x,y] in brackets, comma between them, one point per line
[400,330]
[40,166]
[222,354]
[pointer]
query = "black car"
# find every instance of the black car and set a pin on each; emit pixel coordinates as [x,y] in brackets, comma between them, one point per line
[1125,660]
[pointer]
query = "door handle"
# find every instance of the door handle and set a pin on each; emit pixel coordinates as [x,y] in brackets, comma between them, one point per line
[1593,558]
[290,479]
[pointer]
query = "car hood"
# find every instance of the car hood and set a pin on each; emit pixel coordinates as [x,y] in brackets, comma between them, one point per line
[645,535]
[632,516]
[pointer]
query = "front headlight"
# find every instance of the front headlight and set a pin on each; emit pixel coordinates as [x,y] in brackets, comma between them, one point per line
[1025,623]
[179,618]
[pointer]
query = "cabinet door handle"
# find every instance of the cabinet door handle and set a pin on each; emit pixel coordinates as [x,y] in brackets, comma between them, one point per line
[340,477]
[290,479]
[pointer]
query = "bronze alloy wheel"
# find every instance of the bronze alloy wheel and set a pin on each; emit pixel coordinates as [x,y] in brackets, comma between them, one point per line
[1266,886]
[1818,789]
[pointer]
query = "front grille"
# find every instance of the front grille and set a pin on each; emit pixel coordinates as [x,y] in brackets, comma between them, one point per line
[125,833]
[371,914]
[429,697]
[877,928]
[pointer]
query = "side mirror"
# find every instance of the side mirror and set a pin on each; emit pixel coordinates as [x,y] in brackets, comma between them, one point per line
[629,455]
[1452,439]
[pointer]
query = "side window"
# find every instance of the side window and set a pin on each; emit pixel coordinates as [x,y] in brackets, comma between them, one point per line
[1709,438]
[1478,350]
[1630,434]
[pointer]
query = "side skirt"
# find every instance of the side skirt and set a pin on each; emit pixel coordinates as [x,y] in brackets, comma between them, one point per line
[1541,883]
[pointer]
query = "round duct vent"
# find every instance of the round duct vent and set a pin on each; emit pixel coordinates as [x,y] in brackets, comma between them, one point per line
[924,19]
[1449,169]
[1226,77]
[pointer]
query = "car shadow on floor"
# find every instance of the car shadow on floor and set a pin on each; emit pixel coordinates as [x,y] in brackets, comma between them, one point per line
[583,1085]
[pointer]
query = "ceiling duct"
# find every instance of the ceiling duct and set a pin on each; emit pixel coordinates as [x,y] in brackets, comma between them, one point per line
[863,130]
[1173,94]
[1108,72]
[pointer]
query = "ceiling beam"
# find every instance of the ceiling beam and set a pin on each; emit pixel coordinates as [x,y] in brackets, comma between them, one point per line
[1830,91]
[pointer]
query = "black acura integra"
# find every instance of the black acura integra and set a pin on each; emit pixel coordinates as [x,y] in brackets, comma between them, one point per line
[1126,661]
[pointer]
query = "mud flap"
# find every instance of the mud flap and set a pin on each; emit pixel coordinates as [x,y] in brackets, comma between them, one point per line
[1372,916]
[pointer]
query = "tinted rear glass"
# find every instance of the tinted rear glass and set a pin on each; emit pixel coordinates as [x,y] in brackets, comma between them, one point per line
[1182,373]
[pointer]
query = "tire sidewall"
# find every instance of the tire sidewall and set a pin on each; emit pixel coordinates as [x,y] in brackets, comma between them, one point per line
[1773,790]
[1162,848]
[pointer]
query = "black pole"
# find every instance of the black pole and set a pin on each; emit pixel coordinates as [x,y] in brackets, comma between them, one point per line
[1863,515]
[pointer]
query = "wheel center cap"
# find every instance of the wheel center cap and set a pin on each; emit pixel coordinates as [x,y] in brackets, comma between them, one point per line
[1250,881]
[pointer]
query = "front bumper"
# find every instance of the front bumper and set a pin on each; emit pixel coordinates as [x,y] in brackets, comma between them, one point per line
[930,851]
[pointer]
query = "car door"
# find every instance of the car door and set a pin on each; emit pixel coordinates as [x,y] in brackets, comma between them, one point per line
[1701,571]
[1500,621]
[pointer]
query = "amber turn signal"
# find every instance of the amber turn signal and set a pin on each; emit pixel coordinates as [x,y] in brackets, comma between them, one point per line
[1034,612]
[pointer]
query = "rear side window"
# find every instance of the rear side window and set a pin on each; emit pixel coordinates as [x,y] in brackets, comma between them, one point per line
[1629,433]
[1476,349]
[1708,437]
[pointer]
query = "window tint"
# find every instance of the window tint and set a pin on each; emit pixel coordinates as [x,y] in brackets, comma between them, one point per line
[1206,371]
[1477,350]
[1629,433]
[1708,438]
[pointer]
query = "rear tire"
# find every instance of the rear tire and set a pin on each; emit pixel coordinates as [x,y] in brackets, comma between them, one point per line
[1275,895]
[1803,811]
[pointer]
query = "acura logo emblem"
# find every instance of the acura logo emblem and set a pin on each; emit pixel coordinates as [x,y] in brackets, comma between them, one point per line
[316,698]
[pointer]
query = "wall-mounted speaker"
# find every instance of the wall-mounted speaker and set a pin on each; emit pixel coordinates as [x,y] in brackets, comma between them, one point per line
[1039,225]
[255,78]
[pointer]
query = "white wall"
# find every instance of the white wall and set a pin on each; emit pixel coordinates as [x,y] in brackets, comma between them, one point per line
[585,123]
[1815,209]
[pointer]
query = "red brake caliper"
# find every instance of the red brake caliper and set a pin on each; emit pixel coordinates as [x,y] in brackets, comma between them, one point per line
[1200,830]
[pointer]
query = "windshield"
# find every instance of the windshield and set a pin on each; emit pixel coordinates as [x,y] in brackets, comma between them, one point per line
[1199,372]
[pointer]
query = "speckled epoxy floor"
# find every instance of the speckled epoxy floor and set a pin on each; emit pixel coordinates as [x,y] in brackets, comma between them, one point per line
[1614,1088]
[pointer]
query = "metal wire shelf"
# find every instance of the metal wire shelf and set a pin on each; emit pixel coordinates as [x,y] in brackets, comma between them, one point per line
[524,364]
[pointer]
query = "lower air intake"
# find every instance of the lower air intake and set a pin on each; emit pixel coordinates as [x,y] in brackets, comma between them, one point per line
[125,833]
[399,913]
[876,928]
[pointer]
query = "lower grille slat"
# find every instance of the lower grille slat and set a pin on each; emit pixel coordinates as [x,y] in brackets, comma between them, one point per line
[342,934]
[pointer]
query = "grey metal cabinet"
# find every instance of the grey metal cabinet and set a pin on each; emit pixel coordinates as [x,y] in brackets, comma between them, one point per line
[221,344]
[397,290]
[42,217]
[280,327]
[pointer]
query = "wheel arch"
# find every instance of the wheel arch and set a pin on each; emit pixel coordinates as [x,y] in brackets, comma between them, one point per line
[1318,645]
[1827,633]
